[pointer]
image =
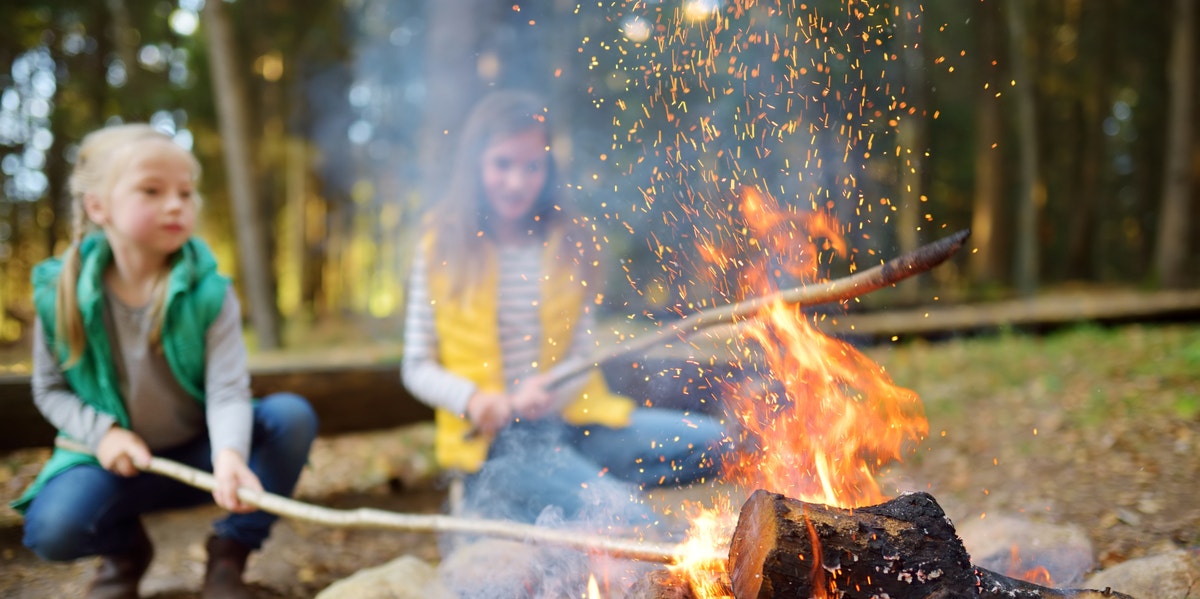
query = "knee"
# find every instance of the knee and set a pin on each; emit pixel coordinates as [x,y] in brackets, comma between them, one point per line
[53,536]
[292,416]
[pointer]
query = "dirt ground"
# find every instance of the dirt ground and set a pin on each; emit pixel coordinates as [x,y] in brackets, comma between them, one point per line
[1097,429]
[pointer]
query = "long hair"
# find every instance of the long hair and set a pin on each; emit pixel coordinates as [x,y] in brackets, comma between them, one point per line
[461,216]
[103,155]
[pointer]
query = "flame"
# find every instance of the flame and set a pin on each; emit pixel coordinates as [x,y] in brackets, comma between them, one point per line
[823,418]
[1037,574]
[702,561]
[593,588]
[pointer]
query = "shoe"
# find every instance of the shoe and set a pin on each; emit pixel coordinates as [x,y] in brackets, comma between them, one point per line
[223,576]
[118,575]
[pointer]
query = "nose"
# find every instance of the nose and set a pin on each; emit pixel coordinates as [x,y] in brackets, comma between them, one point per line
[515,179]
[177,201]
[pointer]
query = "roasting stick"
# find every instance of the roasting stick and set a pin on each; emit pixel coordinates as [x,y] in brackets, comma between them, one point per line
[891,272]
[432,523]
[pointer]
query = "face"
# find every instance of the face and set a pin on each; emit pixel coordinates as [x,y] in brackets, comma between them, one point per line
[151,207]
[515,168]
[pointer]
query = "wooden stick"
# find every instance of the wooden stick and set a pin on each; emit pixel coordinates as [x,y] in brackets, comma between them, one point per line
[891,272]
[432,523]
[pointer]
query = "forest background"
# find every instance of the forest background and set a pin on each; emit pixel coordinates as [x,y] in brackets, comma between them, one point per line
[1061,133]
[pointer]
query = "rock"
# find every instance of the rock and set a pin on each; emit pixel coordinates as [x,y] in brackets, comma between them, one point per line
[1014,546]
[1171,574]
[406,577]
[493,568]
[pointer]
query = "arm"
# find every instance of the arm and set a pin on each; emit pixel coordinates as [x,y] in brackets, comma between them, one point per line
[228,411]
[58,403]
[583,343]
[425,377]
[420,370]
[117,449]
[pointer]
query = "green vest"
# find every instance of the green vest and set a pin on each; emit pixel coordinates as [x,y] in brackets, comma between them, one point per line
[195,294]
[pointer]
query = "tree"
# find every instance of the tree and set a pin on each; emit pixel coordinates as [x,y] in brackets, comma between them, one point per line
[989,230]
[232,117]
[1171,249]
[1026,268]
[911,136]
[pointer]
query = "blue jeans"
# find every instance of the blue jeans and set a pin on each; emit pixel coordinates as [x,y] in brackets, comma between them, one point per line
[592,472]
[87,510]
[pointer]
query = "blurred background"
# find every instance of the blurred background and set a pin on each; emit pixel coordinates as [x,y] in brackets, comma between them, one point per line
[1062,134]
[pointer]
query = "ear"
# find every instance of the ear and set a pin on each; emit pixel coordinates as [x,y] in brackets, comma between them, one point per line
[95,209]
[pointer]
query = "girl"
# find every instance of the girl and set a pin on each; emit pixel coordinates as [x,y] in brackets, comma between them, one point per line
[502,289]
[140,351]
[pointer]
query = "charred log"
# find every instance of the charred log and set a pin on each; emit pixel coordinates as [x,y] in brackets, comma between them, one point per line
[906,547]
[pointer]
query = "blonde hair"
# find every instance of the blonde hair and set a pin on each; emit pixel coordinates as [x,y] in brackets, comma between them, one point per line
[102,156]
[458,217]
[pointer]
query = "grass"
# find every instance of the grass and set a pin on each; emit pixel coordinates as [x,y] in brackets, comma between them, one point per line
[1086,425]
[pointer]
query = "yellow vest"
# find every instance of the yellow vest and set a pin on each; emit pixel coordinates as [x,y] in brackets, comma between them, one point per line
[468,342]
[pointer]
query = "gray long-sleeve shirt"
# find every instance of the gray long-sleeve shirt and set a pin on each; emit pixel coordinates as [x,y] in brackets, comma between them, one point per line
[160,411]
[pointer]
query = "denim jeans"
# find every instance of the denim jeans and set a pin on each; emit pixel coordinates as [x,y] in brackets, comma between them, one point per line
[87,510]
[592,473]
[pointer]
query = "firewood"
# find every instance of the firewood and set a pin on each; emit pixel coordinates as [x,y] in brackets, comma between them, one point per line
[906,547]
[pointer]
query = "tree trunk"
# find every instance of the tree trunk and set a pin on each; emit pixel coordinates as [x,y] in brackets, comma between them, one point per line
[454,39]
[1171,246]
[910,134]
[239,164]
[1081,256]
[990,231]
[905,547]
[1026,267]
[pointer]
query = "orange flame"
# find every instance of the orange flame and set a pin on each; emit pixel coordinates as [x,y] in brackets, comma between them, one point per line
[1037,574]
[701,564]
[825,418]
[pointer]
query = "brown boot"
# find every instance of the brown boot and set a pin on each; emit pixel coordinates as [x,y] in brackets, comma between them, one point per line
[118,575]
[223,577]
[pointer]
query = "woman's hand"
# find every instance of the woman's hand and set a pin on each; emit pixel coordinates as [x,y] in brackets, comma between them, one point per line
[231,472]
[489,412]
[531,399]
[122,452]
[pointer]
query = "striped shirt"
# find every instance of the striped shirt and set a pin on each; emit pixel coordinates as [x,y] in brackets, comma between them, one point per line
[518,301]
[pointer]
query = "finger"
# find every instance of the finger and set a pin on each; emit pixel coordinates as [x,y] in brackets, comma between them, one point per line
[140,458]
[124,466]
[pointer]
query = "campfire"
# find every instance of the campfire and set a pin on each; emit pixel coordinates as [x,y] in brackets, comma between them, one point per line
[814,433]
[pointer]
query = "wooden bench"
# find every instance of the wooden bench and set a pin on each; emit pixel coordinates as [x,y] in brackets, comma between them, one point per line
[346,397]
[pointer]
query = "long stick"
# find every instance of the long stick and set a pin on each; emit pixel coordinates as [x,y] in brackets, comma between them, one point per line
[432,523]
[893,271]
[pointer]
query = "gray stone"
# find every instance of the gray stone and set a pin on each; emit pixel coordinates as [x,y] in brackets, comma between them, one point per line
[1171,575]
[405,577]
[1015,547]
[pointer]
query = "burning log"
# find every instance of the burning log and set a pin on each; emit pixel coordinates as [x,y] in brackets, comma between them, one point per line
[905,547]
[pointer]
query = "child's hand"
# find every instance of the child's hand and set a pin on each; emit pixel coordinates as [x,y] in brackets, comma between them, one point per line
[231,472]
[123,452]
[531,399]
[489,412]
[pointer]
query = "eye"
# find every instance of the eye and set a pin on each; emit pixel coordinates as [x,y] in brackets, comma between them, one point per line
[149,190]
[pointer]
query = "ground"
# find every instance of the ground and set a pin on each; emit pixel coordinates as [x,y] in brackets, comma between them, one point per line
[1093,427]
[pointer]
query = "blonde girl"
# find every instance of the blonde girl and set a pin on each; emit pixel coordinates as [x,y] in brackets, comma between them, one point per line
[139,351]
